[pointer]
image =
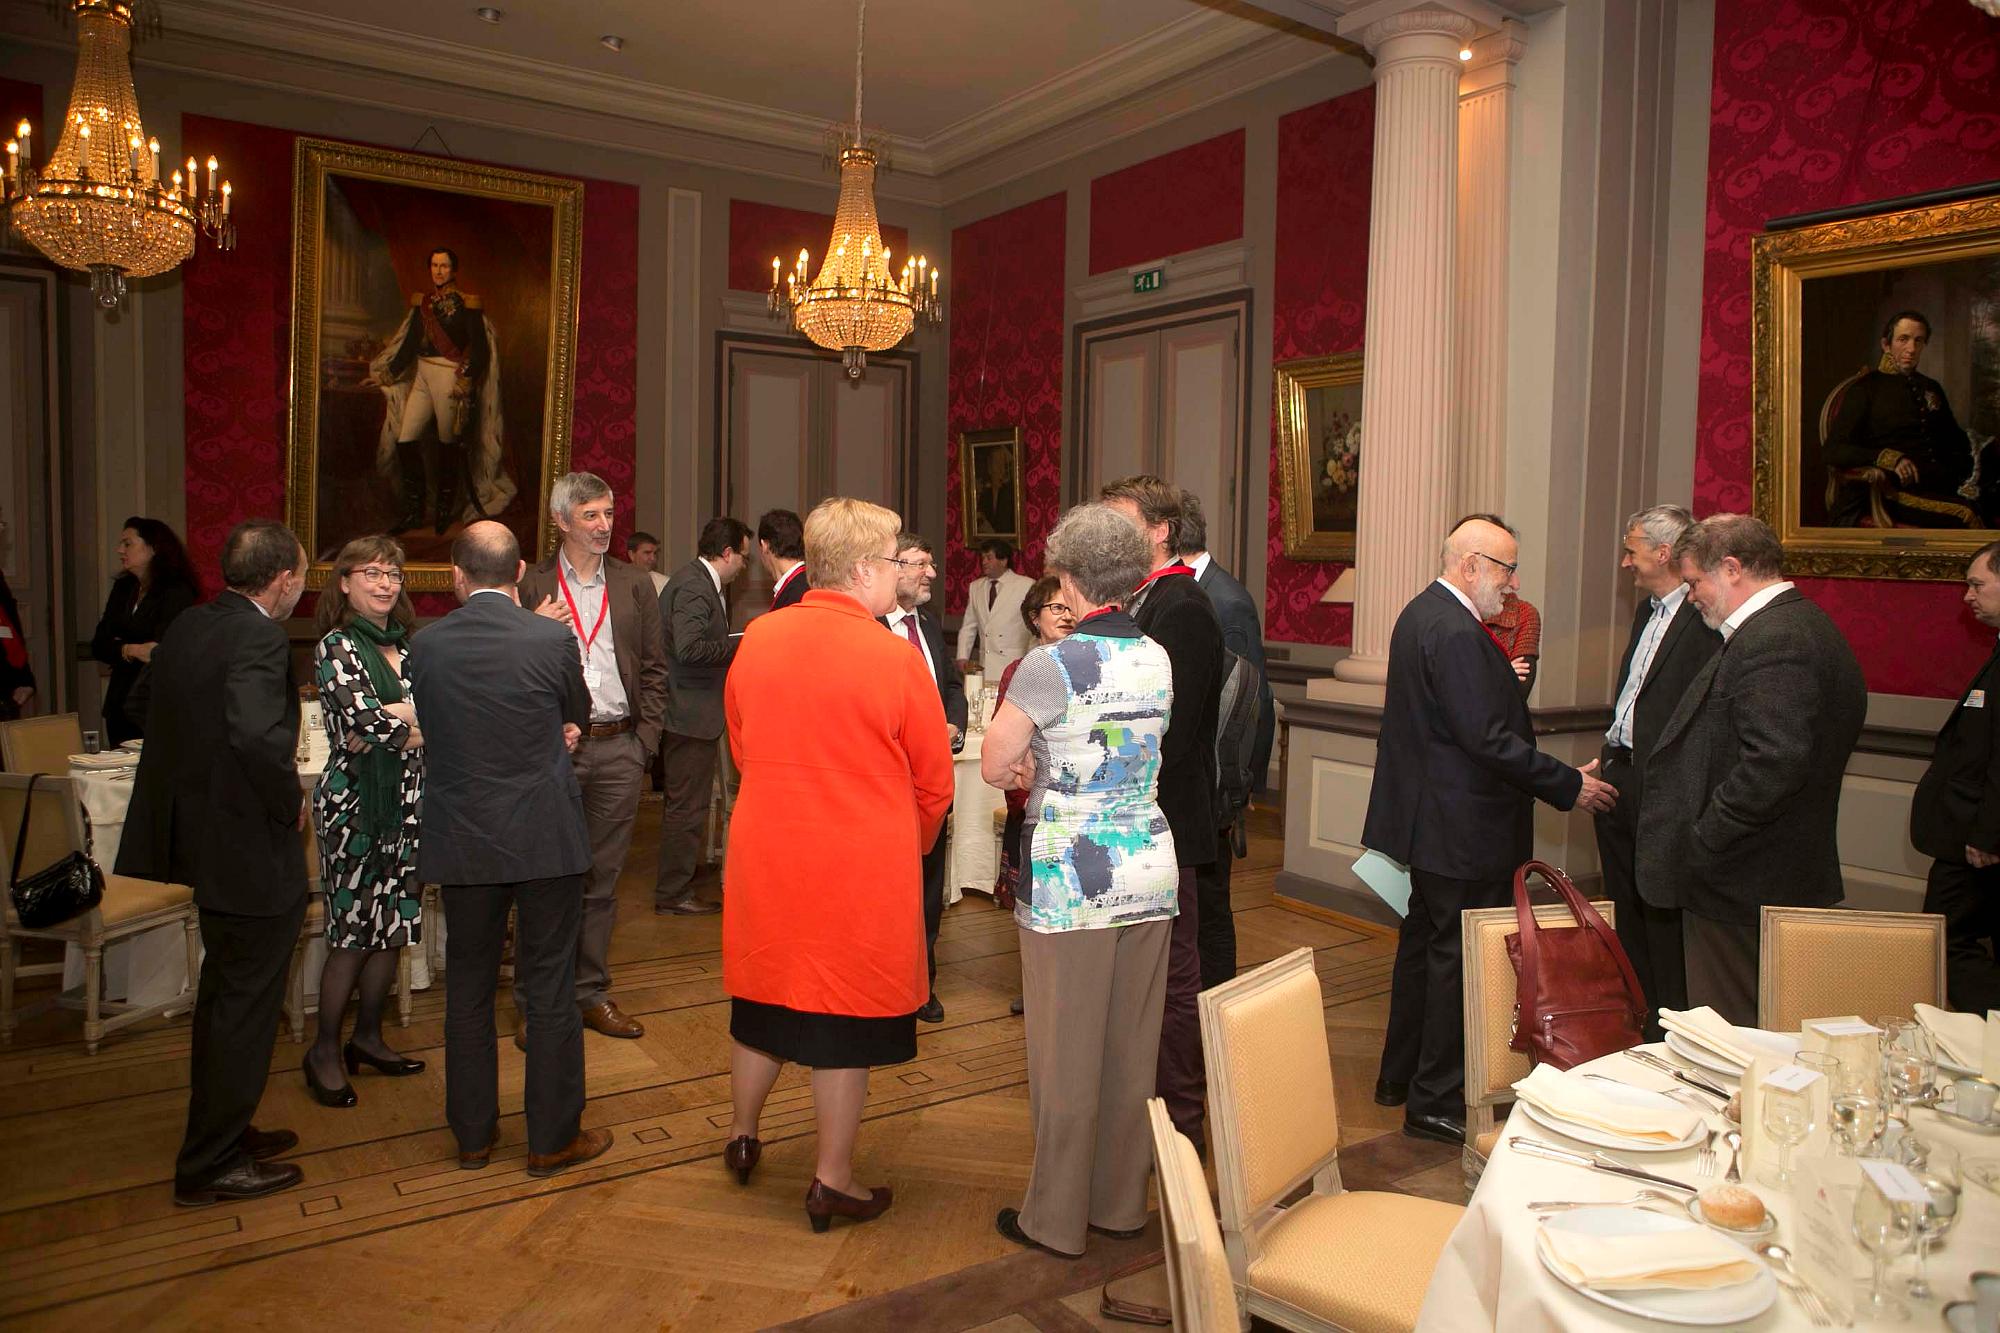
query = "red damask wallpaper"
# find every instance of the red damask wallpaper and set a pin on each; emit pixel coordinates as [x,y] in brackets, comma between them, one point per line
[1178,201]
[1817,104]
[21,101]
[1326,155]
[1006,368]
[236,325]
[759,231]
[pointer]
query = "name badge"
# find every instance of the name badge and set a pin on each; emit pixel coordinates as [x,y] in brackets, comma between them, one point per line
[1975,699]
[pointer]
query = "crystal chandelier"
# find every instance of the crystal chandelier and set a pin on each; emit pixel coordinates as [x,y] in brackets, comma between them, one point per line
[857,304]
[99,203]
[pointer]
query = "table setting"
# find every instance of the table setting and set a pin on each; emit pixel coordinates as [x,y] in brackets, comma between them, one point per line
[1846,1174]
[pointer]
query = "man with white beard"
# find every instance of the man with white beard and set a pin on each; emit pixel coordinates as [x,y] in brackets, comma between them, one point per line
[1457,776]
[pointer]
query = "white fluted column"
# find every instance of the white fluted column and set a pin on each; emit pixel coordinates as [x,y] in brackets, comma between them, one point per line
[1485,116]
[1408,450]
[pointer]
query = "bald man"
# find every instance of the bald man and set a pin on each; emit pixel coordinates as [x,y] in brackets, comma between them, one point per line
[1457,776]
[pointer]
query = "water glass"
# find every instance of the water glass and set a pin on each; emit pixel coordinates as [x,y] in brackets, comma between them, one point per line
[1885,1228]
[1857,1123]
[1787,1120]
[1935,1166]
[1909,1065]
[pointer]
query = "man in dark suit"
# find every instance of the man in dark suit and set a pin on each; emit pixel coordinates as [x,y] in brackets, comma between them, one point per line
[1742,789]
[1668,647]
[611,609]
[503,703]
[217,804]
[916,571]
[781,549]
[1457,776]
[1955,817]
[1242,634]
[1175,613]
[699,649]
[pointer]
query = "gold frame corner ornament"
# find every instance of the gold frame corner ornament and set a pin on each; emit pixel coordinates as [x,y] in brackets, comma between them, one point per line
[1779,262]
[313,161]
[1291,381]
[966,441]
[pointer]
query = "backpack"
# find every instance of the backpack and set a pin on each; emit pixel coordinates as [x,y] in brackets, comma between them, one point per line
[1235,740]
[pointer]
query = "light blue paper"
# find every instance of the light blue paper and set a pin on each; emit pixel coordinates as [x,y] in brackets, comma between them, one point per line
[1389,879]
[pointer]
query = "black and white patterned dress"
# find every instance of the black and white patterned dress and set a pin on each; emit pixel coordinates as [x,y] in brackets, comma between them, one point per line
[373,900]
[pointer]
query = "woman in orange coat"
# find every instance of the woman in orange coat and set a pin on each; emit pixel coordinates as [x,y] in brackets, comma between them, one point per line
[846,761]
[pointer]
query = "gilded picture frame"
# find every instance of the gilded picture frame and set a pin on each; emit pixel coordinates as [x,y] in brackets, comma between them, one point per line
[989,476]
[1316,409]
[375,353]
[1824,299]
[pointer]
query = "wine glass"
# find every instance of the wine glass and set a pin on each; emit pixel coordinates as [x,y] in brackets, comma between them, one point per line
[1787,1120]
[1857,1122]
[1884,1227]
[1909,1065]
[1935,1165]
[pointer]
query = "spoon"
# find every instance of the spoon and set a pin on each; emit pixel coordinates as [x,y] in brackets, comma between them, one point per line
[1780,1259]
[1641,1198]
[1734,1139]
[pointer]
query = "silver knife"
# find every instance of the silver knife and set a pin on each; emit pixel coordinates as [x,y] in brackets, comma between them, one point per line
[1596,1161]
[1680,1075]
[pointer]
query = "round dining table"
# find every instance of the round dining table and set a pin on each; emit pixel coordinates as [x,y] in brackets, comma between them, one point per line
[1489,1277]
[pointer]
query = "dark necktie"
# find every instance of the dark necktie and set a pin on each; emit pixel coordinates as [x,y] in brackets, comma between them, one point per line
[992,593]
[910,633]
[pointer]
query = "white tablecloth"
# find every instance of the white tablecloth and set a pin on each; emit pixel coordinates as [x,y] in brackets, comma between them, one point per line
[1488,1277]
[972,862]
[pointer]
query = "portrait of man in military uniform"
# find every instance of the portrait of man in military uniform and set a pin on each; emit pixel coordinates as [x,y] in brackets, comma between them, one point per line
[1896,446]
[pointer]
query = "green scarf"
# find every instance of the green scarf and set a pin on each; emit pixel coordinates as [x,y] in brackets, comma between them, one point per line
[378,769]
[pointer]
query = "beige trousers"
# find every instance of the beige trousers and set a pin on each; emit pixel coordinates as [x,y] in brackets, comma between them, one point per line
[1094,1000]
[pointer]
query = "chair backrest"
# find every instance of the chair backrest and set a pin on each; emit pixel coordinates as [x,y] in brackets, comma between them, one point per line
[1199,1288]
[55,824]
[41,744]
[1491,1067]
[1816,962]
[1271,1110]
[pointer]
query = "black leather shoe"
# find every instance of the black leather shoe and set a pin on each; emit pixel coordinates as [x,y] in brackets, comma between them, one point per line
[1020,1005]
[932,1012]
[1116,1233]
[266,1143]
[1389,1093]
[1437,1128]
[250,1180]
[688,906]
[1008,1224]
[396,1068]
[325,1096]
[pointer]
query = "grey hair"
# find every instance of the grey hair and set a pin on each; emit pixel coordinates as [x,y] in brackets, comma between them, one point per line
[575,488]
[1194,525]
[1455,549]
[1103,553]
[1720,536]
[1661,525]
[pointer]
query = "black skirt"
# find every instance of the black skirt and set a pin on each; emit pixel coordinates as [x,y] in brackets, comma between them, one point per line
[823,1041]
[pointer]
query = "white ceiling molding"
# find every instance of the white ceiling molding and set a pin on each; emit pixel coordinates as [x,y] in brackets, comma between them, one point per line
[1204,272]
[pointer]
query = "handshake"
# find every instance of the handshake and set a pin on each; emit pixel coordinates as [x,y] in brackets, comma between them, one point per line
[1597,795]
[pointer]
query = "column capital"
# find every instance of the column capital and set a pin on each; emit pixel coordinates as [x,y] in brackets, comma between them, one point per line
[1493,59]
[1377,24]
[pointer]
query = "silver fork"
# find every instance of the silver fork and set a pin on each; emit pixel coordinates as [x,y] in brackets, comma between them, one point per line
[1780,1260]
[1704,1161]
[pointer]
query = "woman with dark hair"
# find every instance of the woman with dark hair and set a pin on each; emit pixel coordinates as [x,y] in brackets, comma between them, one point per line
[365,809]
[156,582]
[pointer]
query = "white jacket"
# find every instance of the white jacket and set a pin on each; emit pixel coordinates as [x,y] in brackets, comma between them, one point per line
[1000,632]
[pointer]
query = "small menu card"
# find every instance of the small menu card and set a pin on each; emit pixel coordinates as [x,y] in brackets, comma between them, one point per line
[1822,1239]
[1894,1181]
[1771,1071]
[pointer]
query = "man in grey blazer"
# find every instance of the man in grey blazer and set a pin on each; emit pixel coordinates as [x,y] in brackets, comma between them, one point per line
[503,702]
[1741,794]
[699,649]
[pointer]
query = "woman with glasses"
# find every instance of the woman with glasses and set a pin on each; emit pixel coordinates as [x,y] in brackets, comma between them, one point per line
[365,809]
[1098,892]
[846,780]
[155,583]
[1049,619]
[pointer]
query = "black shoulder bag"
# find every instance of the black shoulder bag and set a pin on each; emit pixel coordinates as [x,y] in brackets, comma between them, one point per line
[54,894]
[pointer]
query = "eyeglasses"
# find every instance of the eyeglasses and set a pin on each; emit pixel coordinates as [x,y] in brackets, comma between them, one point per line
[1502,563]
[906,564]
[1056,607]
[377,574]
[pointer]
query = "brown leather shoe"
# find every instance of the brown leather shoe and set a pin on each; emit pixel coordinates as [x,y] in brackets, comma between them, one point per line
[264,1144]
[740,1156]
[823,1205]
[473,1161]
[606,1017]
[587,1144]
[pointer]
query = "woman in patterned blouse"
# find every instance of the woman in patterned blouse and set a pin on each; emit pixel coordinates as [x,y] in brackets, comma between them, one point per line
[1081,729]
[365,809]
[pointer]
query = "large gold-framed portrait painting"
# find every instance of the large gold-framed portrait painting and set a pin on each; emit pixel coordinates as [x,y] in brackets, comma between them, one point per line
[433,330]
[1878,390]
[1316,403]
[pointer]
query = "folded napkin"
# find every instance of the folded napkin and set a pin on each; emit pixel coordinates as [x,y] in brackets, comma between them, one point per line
[1568,1097]
[1693,1259]
[1705,1027]
[1961,1037]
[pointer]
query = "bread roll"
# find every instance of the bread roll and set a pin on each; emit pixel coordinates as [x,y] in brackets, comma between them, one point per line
[1733,1206]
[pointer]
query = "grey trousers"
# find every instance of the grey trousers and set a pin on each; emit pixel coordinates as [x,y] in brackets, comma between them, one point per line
[1094,1002]
[690,782]
[612,773]
[1721,966]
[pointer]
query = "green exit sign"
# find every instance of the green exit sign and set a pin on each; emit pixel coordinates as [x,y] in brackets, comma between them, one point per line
[1151,280]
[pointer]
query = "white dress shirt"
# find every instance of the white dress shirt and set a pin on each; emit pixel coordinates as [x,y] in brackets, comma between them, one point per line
[798,570]
[1650,638]
[1199,564]
[713,577]
[896,619]
[608,702]
[1752,604]
[1463,600]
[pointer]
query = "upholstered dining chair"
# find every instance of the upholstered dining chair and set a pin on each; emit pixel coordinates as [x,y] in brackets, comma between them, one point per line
[1819,962]
[130,907]
[1199,1289]
[1335,1258]
[40,744]
[1877,480]
[1492,1067]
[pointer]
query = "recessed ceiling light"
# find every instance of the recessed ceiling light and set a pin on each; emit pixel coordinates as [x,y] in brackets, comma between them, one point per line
[611,42]
[488,14]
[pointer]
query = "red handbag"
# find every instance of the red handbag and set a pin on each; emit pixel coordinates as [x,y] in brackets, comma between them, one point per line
[1576,996]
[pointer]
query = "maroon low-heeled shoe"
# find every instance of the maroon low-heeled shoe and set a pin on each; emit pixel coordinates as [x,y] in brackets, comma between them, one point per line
[741,1155]
[823,1205]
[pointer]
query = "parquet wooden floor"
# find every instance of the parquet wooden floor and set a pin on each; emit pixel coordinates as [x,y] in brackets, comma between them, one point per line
[652,1235]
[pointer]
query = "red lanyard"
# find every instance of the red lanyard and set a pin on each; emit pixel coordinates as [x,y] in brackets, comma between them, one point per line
[1100,611]
[1173,567]
[576,617]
